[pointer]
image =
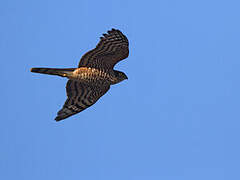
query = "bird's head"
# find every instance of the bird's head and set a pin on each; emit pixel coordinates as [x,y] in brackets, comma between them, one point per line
[120,76]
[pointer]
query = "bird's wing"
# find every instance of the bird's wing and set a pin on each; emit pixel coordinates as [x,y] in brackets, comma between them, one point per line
[112,48]
[80,97]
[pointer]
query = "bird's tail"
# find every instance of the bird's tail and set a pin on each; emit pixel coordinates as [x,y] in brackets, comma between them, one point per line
[66,72]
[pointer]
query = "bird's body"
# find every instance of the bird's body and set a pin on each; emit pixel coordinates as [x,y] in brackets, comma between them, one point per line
[95,73]
[82,74]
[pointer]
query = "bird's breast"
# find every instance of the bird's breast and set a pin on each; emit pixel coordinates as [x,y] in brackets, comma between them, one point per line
[91,75]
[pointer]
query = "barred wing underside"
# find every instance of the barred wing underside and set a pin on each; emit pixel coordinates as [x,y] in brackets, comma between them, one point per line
[80,97]
[112,48]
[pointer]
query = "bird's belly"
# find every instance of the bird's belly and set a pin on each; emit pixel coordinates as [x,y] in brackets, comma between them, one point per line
[85,74]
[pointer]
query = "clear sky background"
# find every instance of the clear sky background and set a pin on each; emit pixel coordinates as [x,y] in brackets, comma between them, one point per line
[176,118]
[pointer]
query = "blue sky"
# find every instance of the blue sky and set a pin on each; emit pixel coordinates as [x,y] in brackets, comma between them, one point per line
[175,118]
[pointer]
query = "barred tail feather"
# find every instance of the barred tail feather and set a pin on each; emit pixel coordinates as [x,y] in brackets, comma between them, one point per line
[54,71]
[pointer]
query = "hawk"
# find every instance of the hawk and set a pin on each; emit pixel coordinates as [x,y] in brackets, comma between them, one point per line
[94,75]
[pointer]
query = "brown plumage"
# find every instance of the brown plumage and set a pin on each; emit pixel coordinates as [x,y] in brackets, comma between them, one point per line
[94,75]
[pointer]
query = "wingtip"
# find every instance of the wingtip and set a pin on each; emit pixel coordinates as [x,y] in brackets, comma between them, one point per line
[57,119]
[108,32]
[112,30]
[60,117]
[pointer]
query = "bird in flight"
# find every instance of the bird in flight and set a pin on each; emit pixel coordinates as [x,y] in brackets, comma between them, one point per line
[94,75]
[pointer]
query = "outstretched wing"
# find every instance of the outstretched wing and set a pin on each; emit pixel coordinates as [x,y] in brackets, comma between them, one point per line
[112,48]
[80,97]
